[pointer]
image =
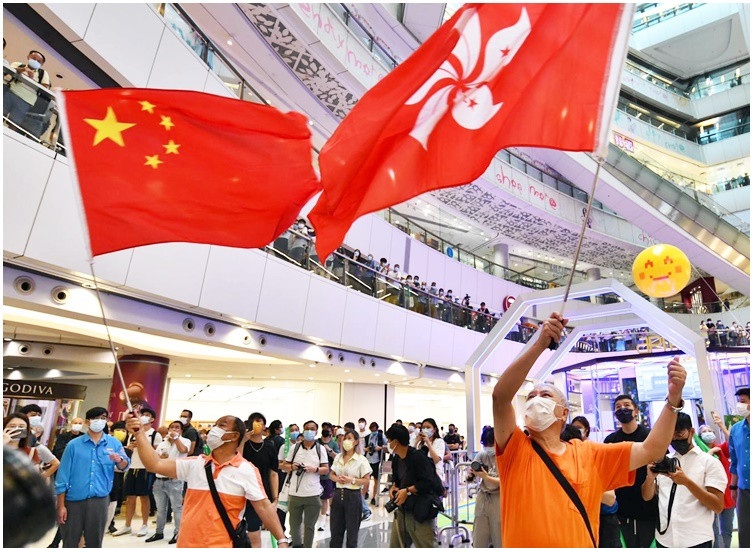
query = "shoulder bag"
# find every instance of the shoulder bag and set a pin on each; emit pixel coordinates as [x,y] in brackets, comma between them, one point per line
[239,535]
[571,493]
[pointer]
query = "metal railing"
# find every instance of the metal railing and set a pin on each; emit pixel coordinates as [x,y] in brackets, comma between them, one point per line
[644,22]
[363,34]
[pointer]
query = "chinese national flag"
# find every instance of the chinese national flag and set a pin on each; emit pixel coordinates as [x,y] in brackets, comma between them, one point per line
[493,76]
[178,166]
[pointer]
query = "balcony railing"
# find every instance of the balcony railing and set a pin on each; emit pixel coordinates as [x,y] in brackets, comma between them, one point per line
[645,21]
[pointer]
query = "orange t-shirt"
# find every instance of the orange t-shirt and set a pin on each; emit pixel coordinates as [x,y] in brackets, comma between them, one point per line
[536,511]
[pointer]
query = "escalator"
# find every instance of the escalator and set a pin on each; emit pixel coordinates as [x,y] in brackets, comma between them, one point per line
[664,211]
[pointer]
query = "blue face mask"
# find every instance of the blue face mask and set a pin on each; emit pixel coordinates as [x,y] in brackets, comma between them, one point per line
[294,435]
[309,435]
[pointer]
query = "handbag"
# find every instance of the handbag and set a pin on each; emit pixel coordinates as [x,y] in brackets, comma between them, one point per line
[283,498]
[565,486]
[239,535]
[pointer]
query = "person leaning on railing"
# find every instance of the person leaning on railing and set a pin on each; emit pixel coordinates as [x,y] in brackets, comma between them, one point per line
[19,96]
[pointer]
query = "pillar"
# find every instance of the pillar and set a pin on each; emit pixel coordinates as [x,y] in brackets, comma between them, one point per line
[501,257]
[145,377]
[592,274]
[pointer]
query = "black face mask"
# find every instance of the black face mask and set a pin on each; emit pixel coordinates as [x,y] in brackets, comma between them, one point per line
[680,446]
[624,415]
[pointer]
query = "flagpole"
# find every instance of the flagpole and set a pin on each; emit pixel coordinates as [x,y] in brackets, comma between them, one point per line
[600,162]
[63,114]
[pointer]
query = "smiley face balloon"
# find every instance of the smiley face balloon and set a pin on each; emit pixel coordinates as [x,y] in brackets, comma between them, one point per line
[661,271]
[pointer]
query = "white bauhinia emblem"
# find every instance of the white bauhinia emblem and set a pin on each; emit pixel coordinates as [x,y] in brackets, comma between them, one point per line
[472,103]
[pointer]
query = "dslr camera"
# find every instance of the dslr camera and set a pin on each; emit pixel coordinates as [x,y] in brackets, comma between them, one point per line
[476,466]
[300,470]
[390,506]
[667,465]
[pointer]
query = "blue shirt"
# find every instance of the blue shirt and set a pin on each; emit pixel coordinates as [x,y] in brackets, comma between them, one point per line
[739,453]
[86,469]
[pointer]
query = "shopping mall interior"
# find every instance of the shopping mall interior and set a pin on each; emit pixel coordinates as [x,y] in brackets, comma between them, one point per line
[222,330]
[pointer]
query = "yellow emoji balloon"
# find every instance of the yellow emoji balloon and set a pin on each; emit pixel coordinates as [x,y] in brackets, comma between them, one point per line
[661,271]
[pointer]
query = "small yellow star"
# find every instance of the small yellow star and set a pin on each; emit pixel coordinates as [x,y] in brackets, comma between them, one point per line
[171,148]
[167,122]
[146,106]
[109,127]
[153,161]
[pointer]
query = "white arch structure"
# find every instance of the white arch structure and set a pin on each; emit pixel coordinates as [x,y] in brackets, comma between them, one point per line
[588,318]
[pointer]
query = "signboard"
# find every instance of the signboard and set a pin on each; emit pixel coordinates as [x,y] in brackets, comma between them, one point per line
[42,390]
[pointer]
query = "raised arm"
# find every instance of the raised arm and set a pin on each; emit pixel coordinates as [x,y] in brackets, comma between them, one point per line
[148,456]
[512,379]
[720,423]
[661,434]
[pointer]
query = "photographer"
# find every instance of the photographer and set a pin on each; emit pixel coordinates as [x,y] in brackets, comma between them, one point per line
[414,493]
[306,462]
[375,444]
[690,485]
[487,531]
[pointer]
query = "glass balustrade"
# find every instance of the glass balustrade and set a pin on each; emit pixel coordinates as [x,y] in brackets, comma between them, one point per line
[645,21]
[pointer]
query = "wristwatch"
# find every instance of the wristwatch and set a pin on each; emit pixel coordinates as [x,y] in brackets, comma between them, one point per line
[673,408]
[284,540]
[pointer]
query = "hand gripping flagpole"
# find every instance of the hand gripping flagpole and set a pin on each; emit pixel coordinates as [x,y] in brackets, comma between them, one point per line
[63,114]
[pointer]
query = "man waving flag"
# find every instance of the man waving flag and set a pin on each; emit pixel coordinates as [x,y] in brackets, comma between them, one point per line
[493,76]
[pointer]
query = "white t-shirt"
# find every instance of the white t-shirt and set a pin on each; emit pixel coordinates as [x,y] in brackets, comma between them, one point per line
[439,447]
[308,484]
[692,523]
[172,449]
[44,455]
[154,438]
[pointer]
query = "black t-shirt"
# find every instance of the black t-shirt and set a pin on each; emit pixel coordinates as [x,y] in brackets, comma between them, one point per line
[264,457]
[191,434]
[630,503]
[453,438]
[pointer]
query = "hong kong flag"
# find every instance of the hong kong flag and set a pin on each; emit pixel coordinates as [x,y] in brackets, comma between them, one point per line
[179,166]
[493,76]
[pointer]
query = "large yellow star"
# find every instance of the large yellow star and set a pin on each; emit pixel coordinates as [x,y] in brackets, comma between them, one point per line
[167,122]
[153,161]
[171,148]
[109,127]
[146,106]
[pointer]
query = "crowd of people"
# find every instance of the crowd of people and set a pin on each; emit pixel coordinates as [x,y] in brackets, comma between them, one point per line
[719,334]
[626,490]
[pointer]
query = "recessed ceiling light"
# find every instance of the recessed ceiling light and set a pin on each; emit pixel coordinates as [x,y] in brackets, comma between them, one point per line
[350,380]
[376,374]
[230,376]
[386,381]
[273,377]
[311,378]
[347,370]
[430,382]
[229,42]
[188,376]
[312,365]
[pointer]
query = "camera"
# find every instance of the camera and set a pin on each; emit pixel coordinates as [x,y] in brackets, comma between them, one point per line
[390,506]
[667,465]
[300,470]
[370,450]
[478,466]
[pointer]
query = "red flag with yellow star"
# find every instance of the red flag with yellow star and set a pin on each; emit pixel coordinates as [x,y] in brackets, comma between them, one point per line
[159,166]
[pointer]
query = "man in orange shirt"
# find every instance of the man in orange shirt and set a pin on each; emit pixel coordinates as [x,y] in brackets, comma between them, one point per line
[535,509]
[235,479]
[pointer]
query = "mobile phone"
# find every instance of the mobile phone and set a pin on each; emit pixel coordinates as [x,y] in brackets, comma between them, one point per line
[249,425]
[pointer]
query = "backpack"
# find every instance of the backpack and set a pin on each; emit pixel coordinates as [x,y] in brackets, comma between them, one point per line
[318,454]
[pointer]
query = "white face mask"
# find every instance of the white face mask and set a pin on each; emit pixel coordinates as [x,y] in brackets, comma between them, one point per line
[184,420]
[428,432]
[97,425]
[34,64]
[708,437]
[362,425]
[214,437]
[145,419]
[743,409]
[77,427]
[348,445]
[411,429]
[36,420]
[539,413]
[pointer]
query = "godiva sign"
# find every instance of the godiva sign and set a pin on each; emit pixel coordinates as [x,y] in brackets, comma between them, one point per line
[43,390]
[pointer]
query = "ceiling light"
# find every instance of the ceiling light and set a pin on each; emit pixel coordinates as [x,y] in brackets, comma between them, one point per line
[188,376]
[386,381]
[273,377]
[230,42]
[230,376]
[350,380]
[376,374]
[347,370]
[312,365]
[311,378]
